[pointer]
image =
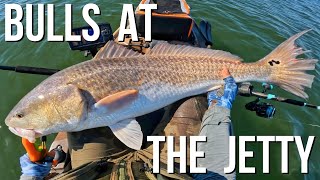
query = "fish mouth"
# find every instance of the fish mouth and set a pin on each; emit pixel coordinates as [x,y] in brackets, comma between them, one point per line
[29,134]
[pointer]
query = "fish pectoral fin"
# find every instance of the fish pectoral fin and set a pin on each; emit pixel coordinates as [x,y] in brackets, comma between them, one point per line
[118,100]
[129,132]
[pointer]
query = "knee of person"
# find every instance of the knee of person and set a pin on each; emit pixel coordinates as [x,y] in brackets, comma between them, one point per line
[216,119]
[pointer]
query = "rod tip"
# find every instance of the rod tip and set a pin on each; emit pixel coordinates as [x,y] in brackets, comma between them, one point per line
[318,107]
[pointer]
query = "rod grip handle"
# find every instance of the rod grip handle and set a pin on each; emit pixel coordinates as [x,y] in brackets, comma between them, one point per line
[295,102]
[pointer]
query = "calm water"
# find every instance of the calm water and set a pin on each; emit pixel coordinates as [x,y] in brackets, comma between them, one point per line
[250,29]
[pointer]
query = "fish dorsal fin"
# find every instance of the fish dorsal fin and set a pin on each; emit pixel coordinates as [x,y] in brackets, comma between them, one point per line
[113,50]
[117,100]
[165,48]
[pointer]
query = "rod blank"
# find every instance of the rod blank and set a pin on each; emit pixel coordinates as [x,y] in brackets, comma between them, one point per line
[30,70]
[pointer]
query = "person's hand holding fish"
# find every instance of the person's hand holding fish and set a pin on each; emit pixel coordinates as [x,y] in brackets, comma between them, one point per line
[230,89]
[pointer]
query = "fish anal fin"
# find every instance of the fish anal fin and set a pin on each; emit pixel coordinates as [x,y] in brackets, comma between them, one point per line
[114,50]
[117,100]
[166,49]
[129,133]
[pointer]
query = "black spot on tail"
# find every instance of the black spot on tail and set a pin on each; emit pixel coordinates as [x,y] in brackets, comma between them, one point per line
[273,61]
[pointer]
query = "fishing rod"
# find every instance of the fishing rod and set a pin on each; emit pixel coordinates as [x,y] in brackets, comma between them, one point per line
[245,89]
[30,70]
[89,47]
[263,109]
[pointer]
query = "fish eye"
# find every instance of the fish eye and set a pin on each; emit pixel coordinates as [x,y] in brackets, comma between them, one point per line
[19,115]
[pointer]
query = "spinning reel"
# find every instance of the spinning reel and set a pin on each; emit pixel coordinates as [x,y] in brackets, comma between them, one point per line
[262,109]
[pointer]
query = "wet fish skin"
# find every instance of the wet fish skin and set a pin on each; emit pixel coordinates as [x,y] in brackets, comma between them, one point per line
[66,101]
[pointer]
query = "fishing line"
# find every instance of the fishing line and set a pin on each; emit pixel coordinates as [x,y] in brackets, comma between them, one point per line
[313,125]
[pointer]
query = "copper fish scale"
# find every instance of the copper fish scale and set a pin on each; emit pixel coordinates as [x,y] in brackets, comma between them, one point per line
[104,77]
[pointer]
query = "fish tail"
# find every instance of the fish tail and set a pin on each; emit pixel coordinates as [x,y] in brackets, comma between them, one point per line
[288,71]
